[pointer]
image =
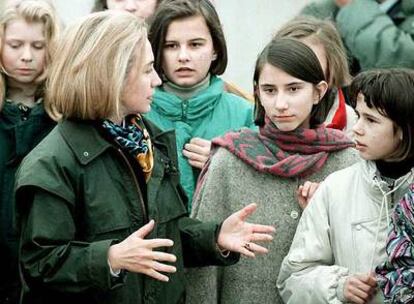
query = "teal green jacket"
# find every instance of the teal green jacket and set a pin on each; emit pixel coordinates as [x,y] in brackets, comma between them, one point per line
[211,113]
[374,38]
[77,194]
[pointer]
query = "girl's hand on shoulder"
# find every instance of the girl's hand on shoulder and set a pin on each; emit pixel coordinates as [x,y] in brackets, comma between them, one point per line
[136,254]
[305,192]
[237,235]
[360,288]
[197,151]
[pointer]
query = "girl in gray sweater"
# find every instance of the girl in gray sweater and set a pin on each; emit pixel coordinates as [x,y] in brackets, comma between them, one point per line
[267,167]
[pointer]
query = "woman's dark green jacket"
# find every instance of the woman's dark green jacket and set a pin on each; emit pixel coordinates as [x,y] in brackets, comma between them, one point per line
[76,195]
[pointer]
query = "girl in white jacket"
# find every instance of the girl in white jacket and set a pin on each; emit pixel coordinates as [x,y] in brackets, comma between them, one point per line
[342,234]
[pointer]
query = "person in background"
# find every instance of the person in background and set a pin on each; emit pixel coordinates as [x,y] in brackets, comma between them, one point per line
[141,8]
[324,40]
[28,34]
[190,54]
[342,234]
[267,167]
[99,210]
[377,33]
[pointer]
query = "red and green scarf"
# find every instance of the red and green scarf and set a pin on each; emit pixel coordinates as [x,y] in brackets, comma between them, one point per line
[301,152]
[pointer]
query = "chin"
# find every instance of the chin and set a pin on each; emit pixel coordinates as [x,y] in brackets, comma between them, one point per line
[185,83]
[285,128]
[144,111]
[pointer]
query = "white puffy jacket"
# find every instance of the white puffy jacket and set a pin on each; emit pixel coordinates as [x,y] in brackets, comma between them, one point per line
[342,232]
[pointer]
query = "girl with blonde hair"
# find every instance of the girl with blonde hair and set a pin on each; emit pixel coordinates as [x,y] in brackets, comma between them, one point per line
[28,34]
[103,220]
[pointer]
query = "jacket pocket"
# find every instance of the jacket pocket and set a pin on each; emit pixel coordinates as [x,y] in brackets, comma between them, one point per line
[106,219]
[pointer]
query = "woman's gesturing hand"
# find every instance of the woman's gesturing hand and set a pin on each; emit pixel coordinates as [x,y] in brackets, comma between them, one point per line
[239,236]
[136,254]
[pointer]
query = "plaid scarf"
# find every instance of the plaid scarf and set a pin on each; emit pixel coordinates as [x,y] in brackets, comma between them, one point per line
[300,152]
[134,139]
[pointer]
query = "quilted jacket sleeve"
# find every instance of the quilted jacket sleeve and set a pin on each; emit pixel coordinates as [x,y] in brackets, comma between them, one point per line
[373,38]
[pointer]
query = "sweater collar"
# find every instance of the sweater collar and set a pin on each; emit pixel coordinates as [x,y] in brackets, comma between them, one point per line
[186,93]
[174,108]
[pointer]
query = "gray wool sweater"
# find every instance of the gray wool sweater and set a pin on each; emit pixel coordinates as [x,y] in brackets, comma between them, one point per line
[230,185]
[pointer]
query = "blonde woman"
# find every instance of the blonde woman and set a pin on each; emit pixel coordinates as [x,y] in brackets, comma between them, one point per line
[103,218]
[28,32]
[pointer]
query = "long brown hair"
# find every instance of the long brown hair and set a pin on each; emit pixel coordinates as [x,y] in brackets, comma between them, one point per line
[296,59]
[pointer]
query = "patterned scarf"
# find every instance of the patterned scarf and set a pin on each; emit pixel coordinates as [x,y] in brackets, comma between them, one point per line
[287,154]
[134,139]
[396,275]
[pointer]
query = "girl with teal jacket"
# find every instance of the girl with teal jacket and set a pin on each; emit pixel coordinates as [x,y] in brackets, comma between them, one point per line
[190,51]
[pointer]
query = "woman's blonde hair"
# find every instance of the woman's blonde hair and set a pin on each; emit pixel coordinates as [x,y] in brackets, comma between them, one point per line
[31,11]
[322,32]
[91,65]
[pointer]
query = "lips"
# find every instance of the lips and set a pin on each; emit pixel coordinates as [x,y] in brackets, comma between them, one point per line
[24,71]
[184,71]
[359,145]
[283,117]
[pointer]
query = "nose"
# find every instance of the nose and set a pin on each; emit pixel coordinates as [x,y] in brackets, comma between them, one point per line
[156,80]
[280,102]
[130,6]
[183,55]
[27,54]
[357,128]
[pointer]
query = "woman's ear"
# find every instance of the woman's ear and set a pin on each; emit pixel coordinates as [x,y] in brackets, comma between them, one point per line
[321,89]
[214,57]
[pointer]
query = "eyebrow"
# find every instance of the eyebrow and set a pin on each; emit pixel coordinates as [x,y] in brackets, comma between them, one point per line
[148,64]
[371,116]
[294,83]
[20,40]
[286,85]
[367,115]
[191,40]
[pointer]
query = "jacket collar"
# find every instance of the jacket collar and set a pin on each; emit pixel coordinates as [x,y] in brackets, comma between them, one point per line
[85,141]
[374,182]
[202,104]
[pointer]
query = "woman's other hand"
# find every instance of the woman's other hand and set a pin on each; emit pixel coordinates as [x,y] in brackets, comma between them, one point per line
[136,254]
[239,236]
[360,288]
[305,192]
[197,151]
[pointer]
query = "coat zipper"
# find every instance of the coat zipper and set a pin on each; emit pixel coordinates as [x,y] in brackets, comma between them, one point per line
[144,211]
